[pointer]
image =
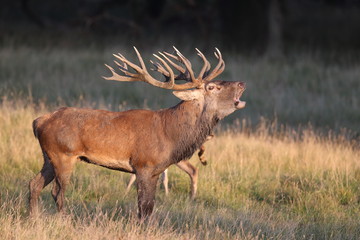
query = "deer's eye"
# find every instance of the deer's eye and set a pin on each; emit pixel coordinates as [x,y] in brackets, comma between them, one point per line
[211,87]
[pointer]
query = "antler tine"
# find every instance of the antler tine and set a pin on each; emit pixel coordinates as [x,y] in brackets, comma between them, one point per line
[119,64]
[187,64]
[177,67]
[221,62]
[124,69]
[159,68]
[183,59]
[184,73]
[219,67]
[206,66]
[171,80]
[120,55]
[140,60]
[124,60]
[117,77]
[172,55]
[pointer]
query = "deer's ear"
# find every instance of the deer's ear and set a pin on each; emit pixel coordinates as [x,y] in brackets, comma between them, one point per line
[188,95]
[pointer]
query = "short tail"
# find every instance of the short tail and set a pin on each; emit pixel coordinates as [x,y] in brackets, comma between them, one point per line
[35,126]
[37,123]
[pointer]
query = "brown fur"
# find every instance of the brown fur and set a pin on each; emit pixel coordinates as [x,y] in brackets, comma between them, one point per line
[184,165]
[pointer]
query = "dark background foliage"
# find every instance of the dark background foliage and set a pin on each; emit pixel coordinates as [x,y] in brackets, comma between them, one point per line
[246,25]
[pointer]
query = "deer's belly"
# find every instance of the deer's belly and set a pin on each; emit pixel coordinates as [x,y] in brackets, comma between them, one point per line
[108,162]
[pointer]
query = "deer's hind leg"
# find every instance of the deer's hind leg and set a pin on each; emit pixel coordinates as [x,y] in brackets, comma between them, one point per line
[165,181]
[41,180]
[63,169]
[131,182]
[192,171]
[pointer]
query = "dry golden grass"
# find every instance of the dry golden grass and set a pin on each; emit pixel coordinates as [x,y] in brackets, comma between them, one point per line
[283,185]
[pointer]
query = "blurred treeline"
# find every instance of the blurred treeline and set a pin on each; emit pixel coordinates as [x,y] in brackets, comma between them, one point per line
[255,26]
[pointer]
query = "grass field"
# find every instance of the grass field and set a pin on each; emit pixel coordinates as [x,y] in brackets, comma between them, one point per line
[297,90]
[263,181]
[256,186]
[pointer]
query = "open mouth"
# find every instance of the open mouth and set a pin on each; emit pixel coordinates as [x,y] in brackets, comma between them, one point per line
[237,102]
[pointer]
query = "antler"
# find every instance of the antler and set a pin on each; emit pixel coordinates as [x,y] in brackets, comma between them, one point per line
[219,67]
[187,73]
[162,67]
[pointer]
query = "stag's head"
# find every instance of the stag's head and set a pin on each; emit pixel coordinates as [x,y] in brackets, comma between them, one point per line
[218,97]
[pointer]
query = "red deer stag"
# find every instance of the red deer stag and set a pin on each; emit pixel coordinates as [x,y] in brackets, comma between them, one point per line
[142,142]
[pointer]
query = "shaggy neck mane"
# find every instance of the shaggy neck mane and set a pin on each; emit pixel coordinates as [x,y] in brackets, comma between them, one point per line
[187,125]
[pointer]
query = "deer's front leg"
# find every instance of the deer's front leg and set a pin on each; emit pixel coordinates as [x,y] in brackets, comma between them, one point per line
[146,187]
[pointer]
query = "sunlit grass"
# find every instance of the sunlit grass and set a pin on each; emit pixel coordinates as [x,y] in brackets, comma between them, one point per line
[258,184]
